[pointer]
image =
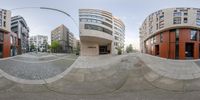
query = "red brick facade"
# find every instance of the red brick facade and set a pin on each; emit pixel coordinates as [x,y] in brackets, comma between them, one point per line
[168,44]
[6,44]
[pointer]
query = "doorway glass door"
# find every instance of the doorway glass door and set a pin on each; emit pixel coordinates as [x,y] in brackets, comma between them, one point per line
[103,50]
[1,50]
[189,50]
[157,50]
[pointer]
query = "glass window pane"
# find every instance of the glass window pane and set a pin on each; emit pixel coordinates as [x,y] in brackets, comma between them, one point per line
[193,35]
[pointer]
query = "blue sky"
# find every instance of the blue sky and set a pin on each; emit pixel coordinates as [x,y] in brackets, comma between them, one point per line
[131,12]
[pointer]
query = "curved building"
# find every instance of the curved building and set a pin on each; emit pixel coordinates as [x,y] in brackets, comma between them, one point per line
[19,26]
[172,33]
[100,32]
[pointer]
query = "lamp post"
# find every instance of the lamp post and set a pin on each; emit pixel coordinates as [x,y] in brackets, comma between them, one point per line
[47,8]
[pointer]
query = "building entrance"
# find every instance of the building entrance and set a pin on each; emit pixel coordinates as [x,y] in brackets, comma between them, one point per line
[157,50]
[189,50]
[103,50]
[1,50]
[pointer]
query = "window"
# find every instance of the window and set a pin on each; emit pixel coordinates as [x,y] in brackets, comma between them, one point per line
[1,36]
[177,20]
[193,35]
[198,18]
[95,21]
[156,26]
[177,35]
[177,14]
[109,20]
[161,24]
[185,20]
[198,22]
[154,39]
[162,17]
[98,28]
[185,13]
[89,20]
[4,23]
[106,24]
[11,39]
[116,38]
[161,37]
[83,20]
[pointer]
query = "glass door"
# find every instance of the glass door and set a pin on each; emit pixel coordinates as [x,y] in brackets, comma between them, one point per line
[1,50]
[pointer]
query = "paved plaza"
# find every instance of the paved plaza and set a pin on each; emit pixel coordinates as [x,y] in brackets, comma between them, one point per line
[126,77]
[38,66]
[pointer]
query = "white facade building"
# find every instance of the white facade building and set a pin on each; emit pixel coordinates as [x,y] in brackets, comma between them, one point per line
[19,26]
[5,20]
[100,32]
[39,41]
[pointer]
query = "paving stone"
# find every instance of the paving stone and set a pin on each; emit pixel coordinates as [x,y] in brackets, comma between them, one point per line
[35,70]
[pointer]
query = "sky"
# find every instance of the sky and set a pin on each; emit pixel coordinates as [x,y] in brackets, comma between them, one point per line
[131,12]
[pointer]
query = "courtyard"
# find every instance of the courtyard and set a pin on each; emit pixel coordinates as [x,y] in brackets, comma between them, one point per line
[133,76]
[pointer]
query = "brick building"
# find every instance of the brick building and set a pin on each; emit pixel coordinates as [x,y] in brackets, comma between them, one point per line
[5,17]
[172,33]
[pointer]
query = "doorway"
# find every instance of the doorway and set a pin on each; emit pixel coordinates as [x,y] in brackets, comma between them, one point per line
[103,50]
[157,50]
[189,50]
[1,50]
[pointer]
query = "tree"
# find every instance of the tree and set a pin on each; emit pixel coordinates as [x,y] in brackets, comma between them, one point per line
[119,50]
[129,48]
[55,46]
[49,46]
[32,47]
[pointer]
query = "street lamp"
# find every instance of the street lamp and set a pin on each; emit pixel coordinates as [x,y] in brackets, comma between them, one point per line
[47,8]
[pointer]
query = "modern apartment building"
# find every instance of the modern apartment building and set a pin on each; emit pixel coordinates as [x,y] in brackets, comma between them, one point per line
[40,42]
[100,32]
[19,26]
[13,44]
[76,44]
[5,17]
[64,37]
[172,33]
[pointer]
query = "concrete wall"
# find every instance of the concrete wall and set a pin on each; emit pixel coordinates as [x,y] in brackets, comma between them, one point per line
[89,48]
